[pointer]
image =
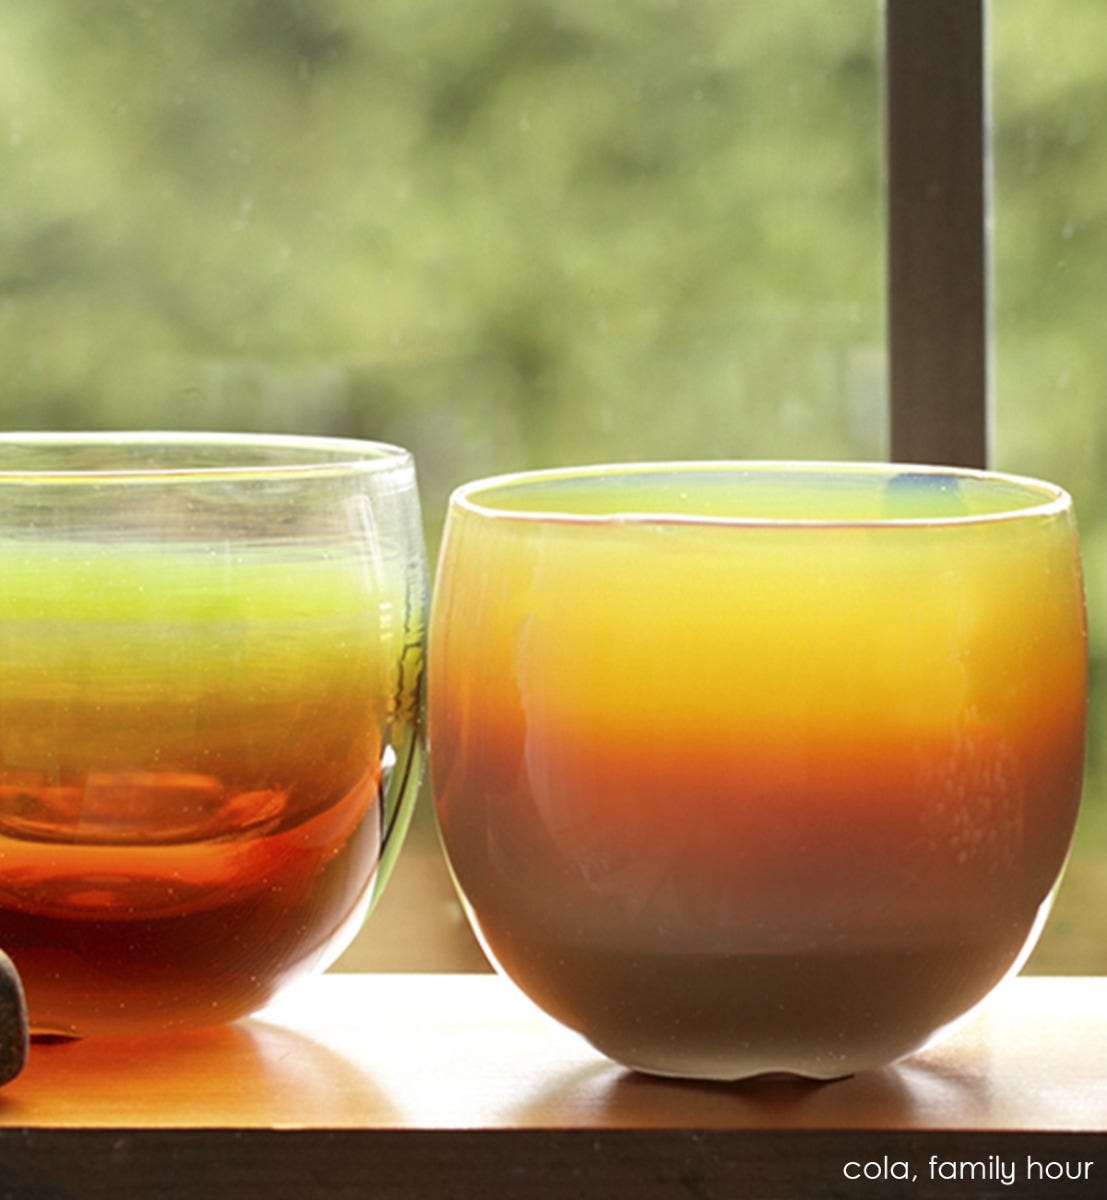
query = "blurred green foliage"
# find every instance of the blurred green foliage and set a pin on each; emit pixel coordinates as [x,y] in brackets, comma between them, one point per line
[1050,247]
[506,232]
[510,233]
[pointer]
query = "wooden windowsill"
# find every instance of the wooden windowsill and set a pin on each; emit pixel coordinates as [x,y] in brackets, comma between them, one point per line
[454,1085]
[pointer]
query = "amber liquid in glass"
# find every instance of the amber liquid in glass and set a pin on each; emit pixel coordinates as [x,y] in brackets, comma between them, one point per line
[122,935]
[190,809]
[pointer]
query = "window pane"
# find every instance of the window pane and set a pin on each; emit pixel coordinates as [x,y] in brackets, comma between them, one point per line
[502,233]
[1050,162]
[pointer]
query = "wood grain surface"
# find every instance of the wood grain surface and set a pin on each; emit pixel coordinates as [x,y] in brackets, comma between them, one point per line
[454,1085]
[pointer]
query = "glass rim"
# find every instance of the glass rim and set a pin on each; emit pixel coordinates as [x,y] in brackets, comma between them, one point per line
[1043,499]
[336,455]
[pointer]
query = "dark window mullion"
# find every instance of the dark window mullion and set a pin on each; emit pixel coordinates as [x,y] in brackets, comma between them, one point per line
[937,230]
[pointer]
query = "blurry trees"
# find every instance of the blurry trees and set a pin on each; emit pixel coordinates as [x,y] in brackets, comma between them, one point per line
[505,233]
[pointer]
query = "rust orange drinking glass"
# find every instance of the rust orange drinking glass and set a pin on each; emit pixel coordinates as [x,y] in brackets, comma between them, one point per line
[210,664]
[752,768]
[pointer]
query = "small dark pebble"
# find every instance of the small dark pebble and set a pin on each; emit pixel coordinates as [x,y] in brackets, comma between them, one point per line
[14,1039]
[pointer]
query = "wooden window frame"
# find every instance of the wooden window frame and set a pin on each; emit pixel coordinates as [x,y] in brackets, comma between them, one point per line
[937,221]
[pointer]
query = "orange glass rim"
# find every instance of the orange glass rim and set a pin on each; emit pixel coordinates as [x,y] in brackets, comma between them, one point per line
[490,498]
[157,455]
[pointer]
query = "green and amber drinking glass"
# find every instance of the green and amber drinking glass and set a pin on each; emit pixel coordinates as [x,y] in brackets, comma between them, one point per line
[210,670]
[754,768]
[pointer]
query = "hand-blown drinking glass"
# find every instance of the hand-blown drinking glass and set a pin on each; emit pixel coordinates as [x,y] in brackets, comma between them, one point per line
[748,768]
[210,665]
